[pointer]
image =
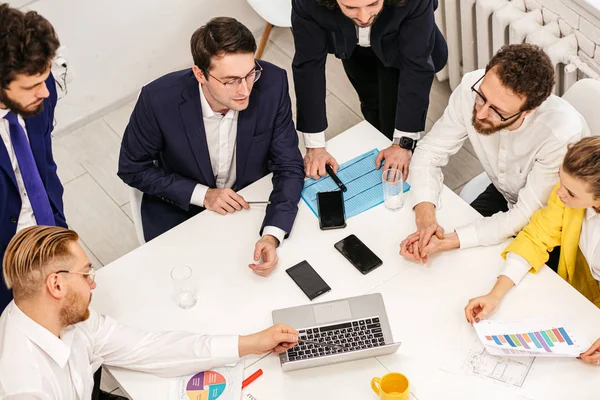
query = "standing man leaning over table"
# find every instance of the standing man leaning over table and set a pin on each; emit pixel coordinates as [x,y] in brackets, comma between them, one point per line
[52,342]
[390,50]
[520,133]
[30,190]
[197,136]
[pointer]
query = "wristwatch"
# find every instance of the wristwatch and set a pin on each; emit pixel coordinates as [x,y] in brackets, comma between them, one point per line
[405,143]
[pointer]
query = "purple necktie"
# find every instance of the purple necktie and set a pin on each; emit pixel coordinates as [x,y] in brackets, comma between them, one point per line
[31,176]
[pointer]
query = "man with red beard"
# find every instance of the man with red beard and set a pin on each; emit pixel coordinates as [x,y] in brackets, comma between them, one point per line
[519,132]
[51,342]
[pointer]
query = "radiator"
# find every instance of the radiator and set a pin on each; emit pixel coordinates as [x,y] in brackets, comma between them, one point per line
[476,29]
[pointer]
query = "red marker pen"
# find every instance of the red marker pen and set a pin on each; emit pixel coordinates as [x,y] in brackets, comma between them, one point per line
[251,378]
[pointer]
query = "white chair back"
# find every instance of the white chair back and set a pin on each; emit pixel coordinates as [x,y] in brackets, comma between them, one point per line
[275,12]
[135,202]
[584,95]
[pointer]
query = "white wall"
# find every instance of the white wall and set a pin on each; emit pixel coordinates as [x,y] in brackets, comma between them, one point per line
[116,46]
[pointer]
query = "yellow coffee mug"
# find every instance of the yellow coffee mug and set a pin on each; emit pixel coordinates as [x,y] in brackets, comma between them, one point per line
[392,386]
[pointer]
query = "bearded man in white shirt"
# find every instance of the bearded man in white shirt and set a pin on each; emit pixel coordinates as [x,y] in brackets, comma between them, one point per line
[519,132]
[51,342]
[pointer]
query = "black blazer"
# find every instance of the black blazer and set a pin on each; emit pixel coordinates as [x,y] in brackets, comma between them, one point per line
[39,132]
[164,152]
[404,37]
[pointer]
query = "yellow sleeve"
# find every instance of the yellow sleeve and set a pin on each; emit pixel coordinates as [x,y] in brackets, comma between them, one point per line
[541,235]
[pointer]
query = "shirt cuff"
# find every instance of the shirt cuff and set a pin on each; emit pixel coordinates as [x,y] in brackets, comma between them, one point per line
[515,267]
[276,232]
[467,235]
[412,135]
[198,195]
[225,346]
[314,140]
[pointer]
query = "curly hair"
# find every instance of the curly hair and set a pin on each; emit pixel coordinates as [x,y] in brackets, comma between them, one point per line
[221,35]
[28,44]
[333,4]
[582,161]
[526,70]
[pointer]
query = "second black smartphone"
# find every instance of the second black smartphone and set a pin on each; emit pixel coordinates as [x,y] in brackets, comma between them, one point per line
[358,254]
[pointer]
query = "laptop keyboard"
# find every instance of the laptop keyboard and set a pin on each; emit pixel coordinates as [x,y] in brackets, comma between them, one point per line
[354,335]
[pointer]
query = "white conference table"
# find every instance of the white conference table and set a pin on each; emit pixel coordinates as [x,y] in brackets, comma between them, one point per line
[424,303]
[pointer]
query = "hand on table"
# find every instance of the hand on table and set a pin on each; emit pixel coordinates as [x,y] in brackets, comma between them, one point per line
[266,248]
[395,157]
[480,307]
[315,160]
[224,201]
[591,355]
[278,338]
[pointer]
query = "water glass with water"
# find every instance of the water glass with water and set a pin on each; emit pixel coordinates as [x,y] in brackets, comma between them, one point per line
[185,287]
[393,193]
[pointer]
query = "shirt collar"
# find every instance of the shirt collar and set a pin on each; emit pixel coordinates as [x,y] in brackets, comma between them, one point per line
[58,349]
[208,112]
[3,112]
[591,213]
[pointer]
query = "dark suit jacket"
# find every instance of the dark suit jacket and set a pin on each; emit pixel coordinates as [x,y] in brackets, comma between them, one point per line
[164,152]
[404,37]
[39,129]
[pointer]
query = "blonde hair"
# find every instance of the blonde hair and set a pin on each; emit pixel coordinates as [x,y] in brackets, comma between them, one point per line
[29,255]
[582,161]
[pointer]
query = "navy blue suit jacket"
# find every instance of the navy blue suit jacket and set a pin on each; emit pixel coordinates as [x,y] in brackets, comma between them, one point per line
[164,152]
[404,37]
[39,129]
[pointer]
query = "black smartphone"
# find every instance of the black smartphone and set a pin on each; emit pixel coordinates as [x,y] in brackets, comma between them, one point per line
[358,254]
[308,280]
[331,210]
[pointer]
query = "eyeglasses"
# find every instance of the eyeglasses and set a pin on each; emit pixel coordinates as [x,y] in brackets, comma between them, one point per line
[91,275]
[235,83]
[480,100]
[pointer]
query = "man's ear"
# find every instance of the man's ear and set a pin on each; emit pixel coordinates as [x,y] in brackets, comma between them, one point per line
[55,286]
[199,74]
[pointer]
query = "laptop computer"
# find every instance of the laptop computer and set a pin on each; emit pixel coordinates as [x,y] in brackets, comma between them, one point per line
[345,329]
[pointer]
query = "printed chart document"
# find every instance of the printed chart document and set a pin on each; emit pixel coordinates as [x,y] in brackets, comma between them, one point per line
[529,338]
[362,180]
[217,384]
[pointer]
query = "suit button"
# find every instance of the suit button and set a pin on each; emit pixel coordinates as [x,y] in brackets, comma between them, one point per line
[13,219]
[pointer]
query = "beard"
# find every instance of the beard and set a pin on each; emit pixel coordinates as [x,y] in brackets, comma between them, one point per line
[75,311]
[370,23]
[487,128]
[18,108]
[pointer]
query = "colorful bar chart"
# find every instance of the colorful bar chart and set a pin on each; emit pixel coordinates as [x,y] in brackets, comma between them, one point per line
[544,339]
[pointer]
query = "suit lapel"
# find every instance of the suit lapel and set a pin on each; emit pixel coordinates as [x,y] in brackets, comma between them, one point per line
[5,163]
[191,113]
[245,133]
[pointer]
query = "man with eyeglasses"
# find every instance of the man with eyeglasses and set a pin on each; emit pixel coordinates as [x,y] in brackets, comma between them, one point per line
[197,136]
[519,131]
[52,342]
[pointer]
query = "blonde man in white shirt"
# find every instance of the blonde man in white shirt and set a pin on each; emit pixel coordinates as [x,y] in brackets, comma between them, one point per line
[519,132]
[51,342]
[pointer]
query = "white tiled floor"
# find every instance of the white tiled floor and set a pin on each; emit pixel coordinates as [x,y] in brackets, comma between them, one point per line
[97,202]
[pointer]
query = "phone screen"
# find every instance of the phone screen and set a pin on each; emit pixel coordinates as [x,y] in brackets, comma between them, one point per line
[331,209]
[358,254]
[308,280]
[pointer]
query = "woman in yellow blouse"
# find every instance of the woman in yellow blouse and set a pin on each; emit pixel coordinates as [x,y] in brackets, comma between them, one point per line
[571,220]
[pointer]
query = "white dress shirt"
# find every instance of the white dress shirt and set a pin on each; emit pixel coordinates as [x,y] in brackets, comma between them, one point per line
[516,267]
[26,217]
[221,135]
[317,140]
[34,363]
[522,164]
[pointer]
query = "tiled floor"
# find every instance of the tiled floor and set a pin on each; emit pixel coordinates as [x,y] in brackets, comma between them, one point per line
[97,202]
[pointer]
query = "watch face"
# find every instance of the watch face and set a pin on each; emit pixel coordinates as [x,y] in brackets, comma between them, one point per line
[406,142]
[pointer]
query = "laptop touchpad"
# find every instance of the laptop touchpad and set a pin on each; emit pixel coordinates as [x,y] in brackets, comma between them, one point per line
[325,313]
